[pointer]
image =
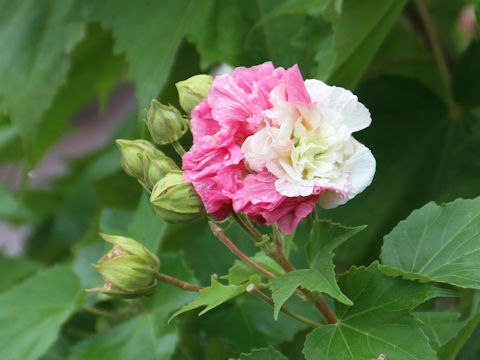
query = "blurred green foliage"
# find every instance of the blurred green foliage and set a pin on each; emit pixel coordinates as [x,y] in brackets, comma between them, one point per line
[59,55]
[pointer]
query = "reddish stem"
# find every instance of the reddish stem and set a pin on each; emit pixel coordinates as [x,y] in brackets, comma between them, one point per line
[223,238]
[178,283]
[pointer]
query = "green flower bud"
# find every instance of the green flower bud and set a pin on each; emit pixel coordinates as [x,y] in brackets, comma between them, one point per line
[193,90]
[156,167]
[165,123]
[174,200]
[129,270]
[132,155]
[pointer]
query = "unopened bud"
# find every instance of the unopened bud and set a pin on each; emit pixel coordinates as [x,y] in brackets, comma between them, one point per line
[193,90]
[155,167]
[129,270]
[174,200]
[132,155]
[165,123]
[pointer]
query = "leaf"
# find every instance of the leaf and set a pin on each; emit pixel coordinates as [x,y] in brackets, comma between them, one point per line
[212,297]
[377,323]
[146,227]
[14,271]
[146,336]
[466,327]
[467,76]
[93,72]
[32,312]
[358,33]
[39,36]
[439,326]
[139,338]
[241,272]
[10,208]
[254,324]
[437,243]
[326,236]
[263,354]
[148,33]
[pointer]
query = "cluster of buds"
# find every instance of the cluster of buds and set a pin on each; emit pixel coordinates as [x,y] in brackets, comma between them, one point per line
[172,199]
[128,269]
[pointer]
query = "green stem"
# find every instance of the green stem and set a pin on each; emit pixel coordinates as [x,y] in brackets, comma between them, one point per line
[178,148]
[178,283]
[434,41]
[247,226]
[255,291]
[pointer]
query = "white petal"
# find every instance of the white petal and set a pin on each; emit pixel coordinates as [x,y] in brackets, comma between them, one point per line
[340,101]
[360,168]
[286,188]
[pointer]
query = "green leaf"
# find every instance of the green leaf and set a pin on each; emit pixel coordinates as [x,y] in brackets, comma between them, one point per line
[439,327]
[142,337]
[32,312]
[465,327]
[263,354]
[148,33]
[437,243]
[358,33]
[241,272]
[254,324]
[14,271]
[466,78]
[326,236]
[39,37]
[146,227]
[93,72]
[10,208]
[377,323]
[212,297]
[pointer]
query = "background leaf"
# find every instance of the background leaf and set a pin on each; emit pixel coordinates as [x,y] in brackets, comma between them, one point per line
[32,312]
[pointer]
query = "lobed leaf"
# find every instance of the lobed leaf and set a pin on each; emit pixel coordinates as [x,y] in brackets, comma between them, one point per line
[377,323]
[437,243]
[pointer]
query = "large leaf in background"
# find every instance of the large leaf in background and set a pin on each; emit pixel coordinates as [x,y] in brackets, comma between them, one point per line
[324,238]
[263,354]
[467,76]
[148,33]
[377,323]
[94,71]
[14,271]
[32,313]
[146,336]
[358,33]
[10,207]
[254,324]
[146,226]
[405,136]
[39,37]
[437,243]
[404,53]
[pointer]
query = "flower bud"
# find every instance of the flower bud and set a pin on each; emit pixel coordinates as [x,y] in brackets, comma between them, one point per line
[129,270]
[193,90]
[174,200]
[156,167]
[132,155]
[165,123]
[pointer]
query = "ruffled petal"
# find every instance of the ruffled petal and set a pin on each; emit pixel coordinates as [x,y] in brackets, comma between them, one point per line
[340,102]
